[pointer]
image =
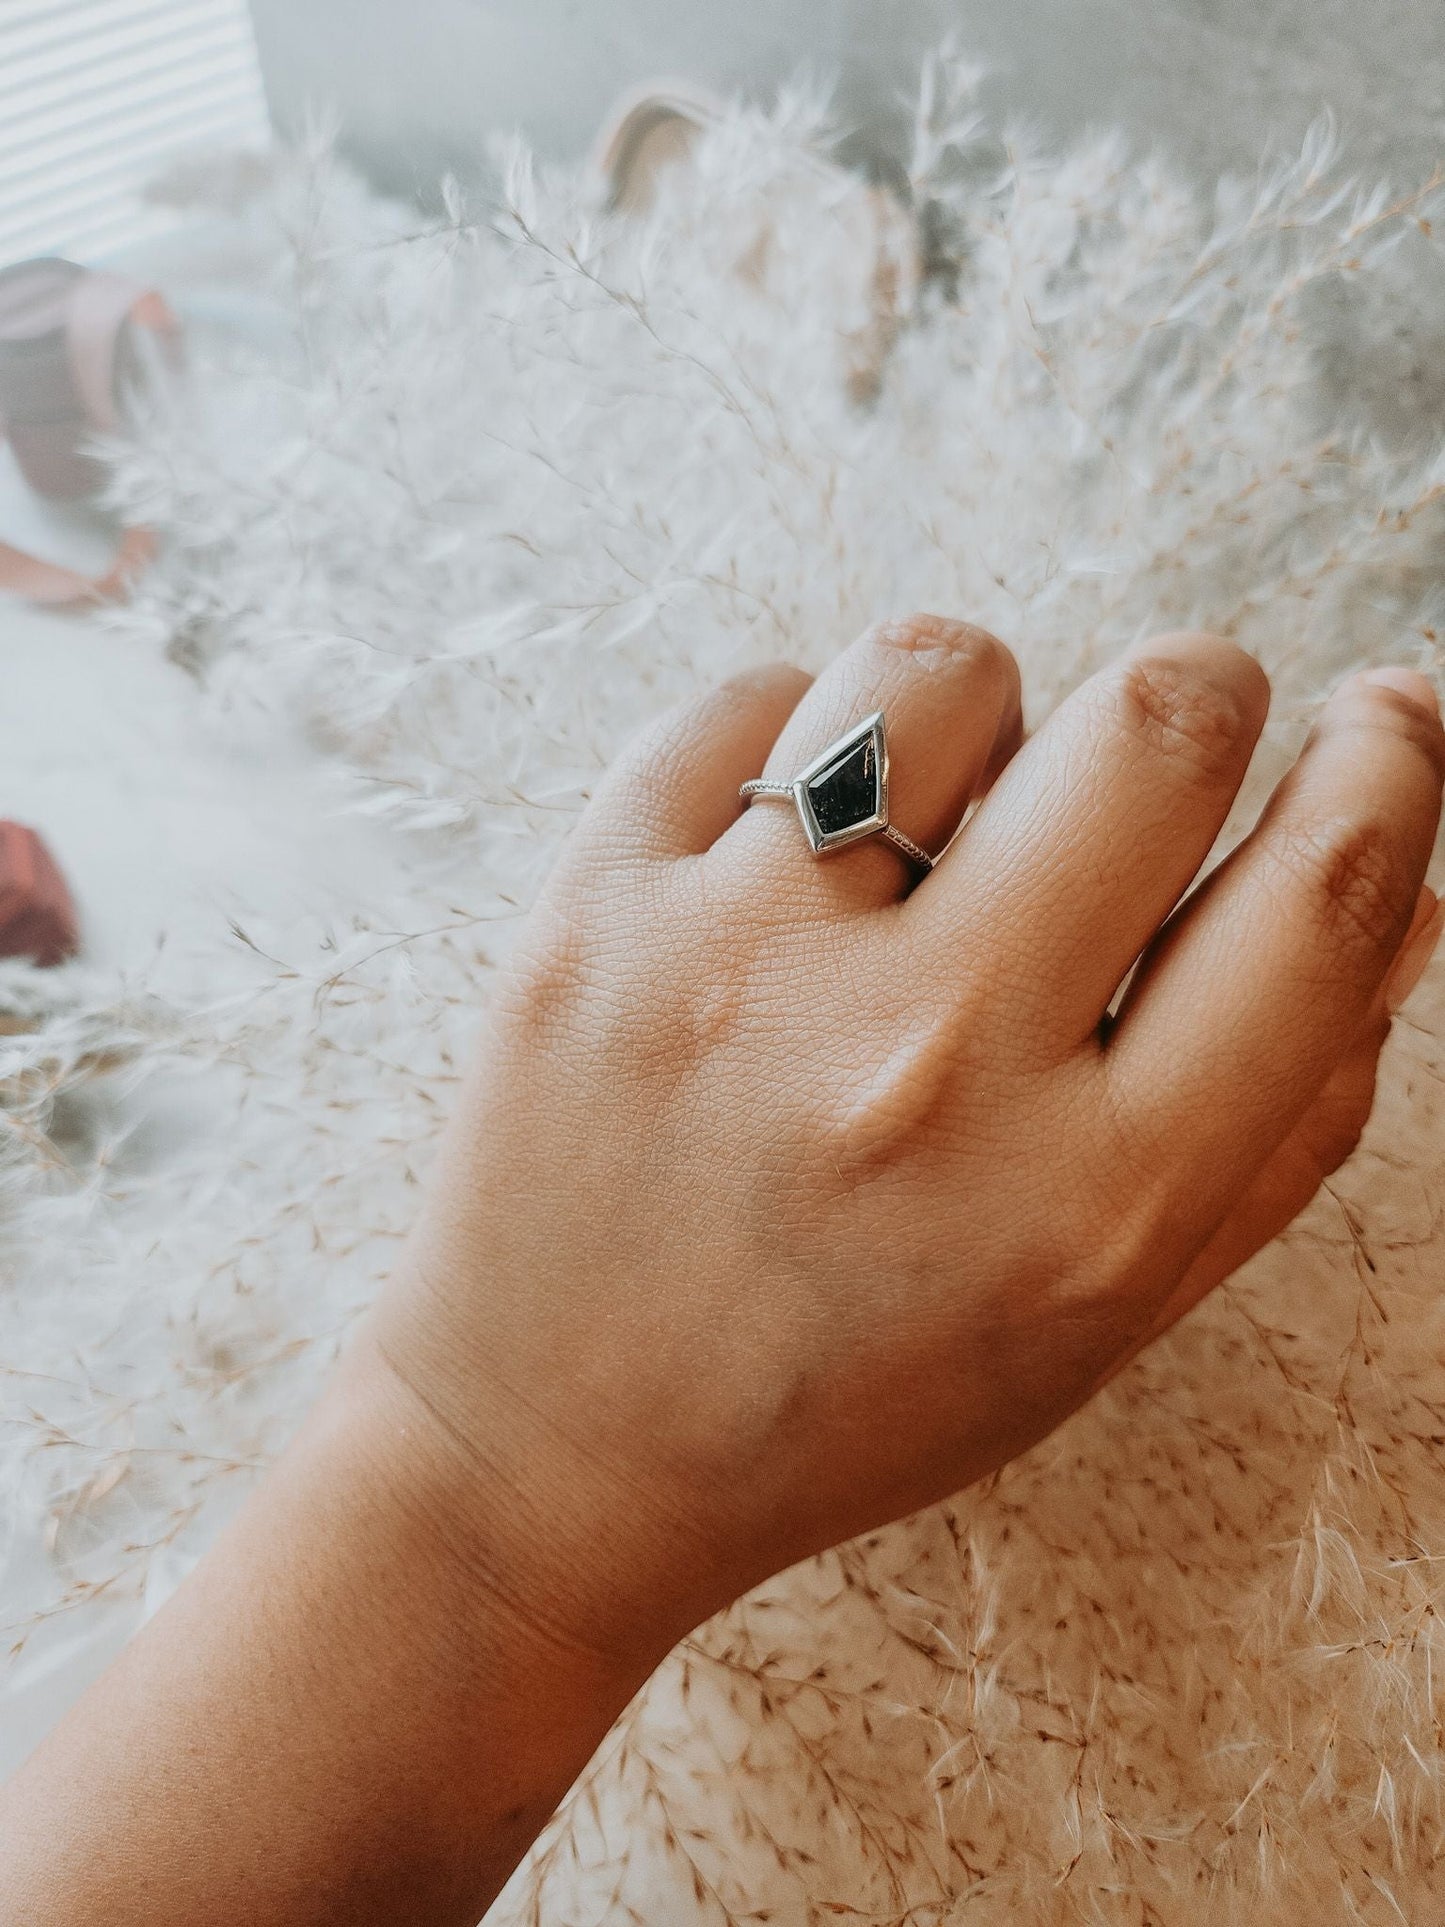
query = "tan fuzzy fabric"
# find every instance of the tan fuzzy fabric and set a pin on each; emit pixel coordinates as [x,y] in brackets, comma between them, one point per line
[495,488]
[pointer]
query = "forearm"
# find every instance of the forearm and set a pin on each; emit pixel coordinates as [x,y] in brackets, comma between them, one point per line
[346,1715]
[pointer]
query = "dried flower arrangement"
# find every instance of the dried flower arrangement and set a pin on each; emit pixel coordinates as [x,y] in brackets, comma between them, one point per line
[509,480]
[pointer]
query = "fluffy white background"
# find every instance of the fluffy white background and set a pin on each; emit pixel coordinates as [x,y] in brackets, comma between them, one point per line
[495,491]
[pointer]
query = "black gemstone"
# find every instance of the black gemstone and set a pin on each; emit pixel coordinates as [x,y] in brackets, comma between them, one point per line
[847,792]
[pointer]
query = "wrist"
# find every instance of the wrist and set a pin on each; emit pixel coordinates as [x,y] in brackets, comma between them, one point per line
[577,1557]
[369,1677]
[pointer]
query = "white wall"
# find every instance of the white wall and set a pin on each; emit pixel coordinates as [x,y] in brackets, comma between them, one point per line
[1213,80]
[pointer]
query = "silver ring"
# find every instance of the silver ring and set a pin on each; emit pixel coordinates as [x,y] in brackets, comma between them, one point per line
[843,794]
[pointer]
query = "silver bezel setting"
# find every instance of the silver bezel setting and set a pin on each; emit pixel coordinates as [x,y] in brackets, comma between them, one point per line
[822,841]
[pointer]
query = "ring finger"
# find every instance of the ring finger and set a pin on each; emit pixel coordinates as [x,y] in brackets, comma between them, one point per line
[950,698]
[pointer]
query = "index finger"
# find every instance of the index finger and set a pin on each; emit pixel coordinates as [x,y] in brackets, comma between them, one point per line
[1257,986]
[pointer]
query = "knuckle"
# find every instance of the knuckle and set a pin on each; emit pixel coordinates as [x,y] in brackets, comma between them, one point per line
[1357,883]
[766,679]
[1115,1208]
[1101,1284]
[547,974]
[640,993]
[888,1112]
[1375,706]
[1201,720]
[925,634]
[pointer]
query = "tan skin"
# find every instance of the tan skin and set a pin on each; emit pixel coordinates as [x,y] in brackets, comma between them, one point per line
[787,1198]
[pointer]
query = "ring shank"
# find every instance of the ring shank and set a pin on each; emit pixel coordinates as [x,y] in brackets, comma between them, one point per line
[915,853]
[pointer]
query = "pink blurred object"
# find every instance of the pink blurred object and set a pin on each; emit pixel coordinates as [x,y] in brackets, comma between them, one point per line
[37,917]
[71,340]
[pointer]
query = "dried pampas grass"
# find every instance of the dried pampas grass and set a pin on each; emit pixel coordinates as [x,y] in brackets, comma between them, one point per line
[511,480]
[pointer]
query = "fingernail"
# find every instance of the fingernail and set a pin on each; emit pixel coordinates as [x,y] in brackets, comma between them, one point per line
[1415,953]
[1409,683]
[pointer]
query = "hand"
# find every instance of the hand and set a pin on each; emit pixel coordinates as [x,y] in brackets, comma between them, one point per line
[786,1198]
[789,1197]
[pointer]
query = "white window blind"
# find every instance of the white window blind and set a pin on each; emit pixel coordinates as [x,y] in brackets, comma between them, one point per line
[96,96]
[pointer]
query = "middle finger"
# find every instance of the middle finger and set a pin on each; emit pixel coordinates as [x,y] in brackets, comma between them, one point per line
[1096,828]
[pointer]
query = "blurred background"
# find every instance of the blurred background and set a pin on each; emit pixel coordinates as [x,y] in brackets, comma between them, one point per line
[95,94]
[99,97]
[1210,80]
